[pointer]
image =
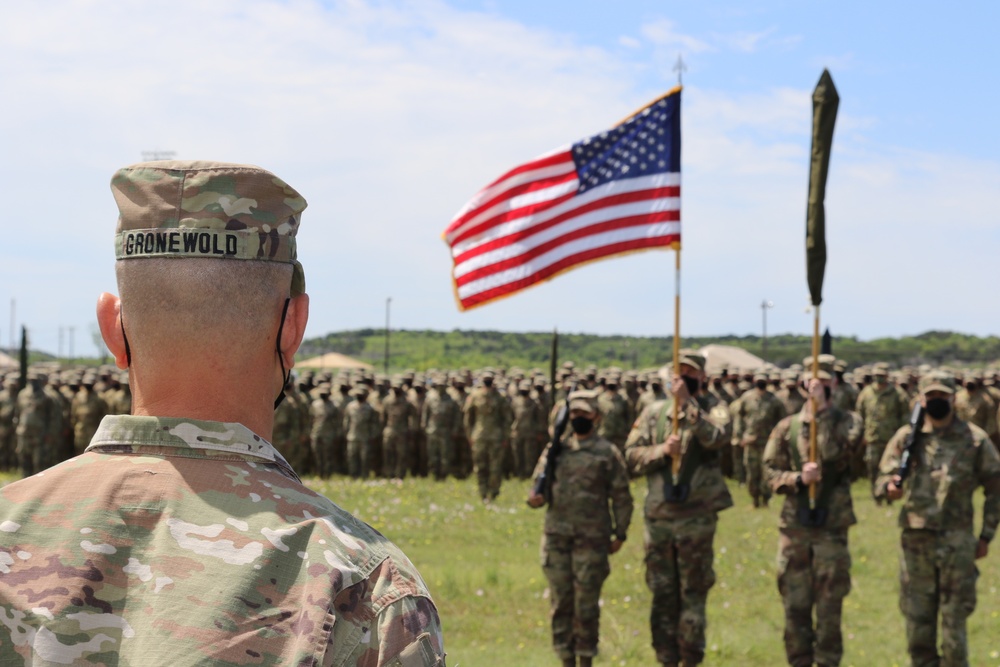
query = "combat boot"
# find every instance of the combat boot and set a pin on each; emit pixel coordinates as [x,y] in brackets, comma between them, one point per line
[586,661]
[569,662]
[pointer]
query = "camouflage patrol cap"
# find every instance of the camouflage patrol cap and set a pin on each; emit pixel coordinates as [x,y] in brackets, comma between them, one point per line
[880,368]
[692,357]
[583,399]
[360,390]
[176,208]
[524,385]
[937,381]
[840,365]
[825,366]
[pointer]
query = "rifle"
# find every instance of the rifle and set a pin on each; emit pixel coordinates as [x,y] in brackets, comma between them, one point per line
[543,484]
[910,453]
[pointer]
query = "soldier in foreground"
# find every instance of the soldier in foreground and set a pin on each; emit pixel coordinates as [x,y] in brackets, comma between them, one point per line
[581,530]
[814,562]
[181,536]
[937,577]
[680,528]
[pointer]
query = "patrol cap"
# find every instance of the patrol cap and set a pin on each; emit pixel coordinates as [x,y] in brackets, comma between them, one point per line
[524,385]
[761,375]
[840,365]
[219,210]
[937,381]
[692,357]
[583,399]
[825,370]
[360,390]
[881,368]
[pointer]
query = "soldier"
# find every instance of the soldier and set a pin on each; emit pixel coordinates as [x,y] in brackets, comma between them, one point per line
[615,422]
[681,520]
[463,448]
[884,410]
[327,426]
[8,410]
[937,578]
[581,530]
[975,405]
[87,411]
[397,414]
[524,430]
[487,418]
[845,395]
[416,396]
[441,419]
[187,539]
[653,393]
[790,394]
[758,412]
[288,427]
[813,557]
[361,426]
[36,415]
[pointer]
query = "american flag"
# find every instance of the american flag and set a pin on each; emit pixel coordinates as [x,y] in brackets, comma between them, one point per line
[612,193]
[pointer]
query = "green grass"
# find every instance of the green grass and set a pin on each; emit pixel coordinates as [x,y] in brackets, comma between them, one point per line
[482,566]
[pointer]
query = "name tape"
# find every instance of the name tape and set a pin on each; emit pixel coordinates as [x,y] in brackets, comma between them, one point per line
[217,243]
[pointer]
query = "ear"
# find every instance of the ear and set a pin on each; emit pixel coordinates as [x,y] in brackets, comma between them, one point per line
[109,314]
[295,328]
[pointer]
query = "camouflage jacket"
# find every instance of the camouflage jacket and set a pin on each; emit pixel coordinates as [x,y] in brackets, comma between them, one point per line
[615,420]
[883,411]
[327,421]
[951,464]
[361,422]
[87,411]
[441,415]
[187,542]
[793,399]
[589,474]
[397,413]
[845,396]
[529,420]
[8,410]
[704,421]
[754,415]
[977,407]
[836,441]
[487,415]
[36,413]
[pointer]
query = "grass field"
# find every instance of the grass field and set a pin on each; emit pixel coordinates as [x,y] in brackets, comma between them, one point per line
[482,566]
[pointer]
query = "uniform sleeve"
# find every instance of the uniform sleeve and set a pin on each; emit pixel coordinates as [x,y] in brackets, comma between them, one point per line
[406,633]
[777,462]
[641,453]
[621,496]
[736,415]
[889,465]
[989,478]
[541,463]
[711,428]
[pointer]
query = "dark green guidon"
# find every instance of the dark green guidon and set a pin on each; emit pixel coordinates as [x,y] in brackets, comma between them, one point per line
[825,103]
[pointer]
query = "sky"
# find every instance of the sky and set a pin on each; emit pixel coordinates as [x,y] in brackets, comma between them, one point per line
[389,116]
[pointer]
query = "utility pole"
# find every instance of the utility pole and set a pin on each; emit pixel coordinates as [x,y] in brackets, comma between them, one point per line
[13,308]
[765,306]
[71,342]
[388,300]
[60,342]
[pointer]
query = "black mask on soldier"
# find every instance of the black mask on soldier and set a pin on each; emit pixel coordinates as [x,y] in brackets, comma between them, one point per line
[523,392]
[938,408]
[581,425]
[761,384]
[827,391]
[970,386]
[717,383]
[488,382]
[693,384]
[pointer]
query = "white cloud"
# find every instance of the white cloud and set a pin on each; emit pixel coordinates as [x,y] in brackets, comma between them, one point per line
[663,33]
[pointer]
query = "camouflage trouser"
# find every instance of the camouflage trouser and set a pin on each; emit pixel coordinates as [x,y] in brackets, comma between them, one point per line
[31,454]
[441,455]
[322,451]
[8,459]
[937,574]
[359,458]
[873,456]
[739,470]
[338,460]
[679,573]
[814,573]
[419,463]
[521,448]
[395,454]
[753,463]
[726,460]
[576,567]
[488,456]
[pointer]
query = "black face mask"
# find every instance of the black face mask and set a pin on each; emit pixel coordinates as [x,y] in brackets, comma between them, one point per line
[761,384]
[488,383]
[692,384]
[827,391]
[582,425]
[938,408]
[970,386]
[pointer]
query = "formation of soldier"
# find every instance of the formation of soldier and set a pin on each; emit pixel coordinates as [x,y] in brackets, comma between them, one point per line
[751,425]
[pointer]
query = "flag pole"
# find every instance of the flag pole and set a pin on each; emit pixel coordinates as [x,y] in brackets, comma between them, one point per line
[812,402]
[676,460]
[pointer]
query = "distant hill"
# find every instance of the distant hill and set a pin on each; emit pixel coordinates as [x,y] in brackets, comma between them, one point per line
[423,349]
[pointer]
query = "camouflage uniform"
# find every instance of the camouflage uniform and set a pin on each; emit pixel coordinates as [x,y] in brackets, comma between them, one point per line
[679,536]
[8,410]
[487,419]
[361,426]
[397,413]
[937,562]
[199,545]
[813,561]
[883,410]
[327,427]
[974,404]
[579,527]
[441,419]
[524,431]
[615,422]
[36,416]
[791,396]
[758,412]
[87,411]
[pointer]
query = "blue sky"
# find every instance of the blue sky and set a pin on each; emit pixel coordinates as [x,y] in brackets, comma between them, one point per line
[388,116]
